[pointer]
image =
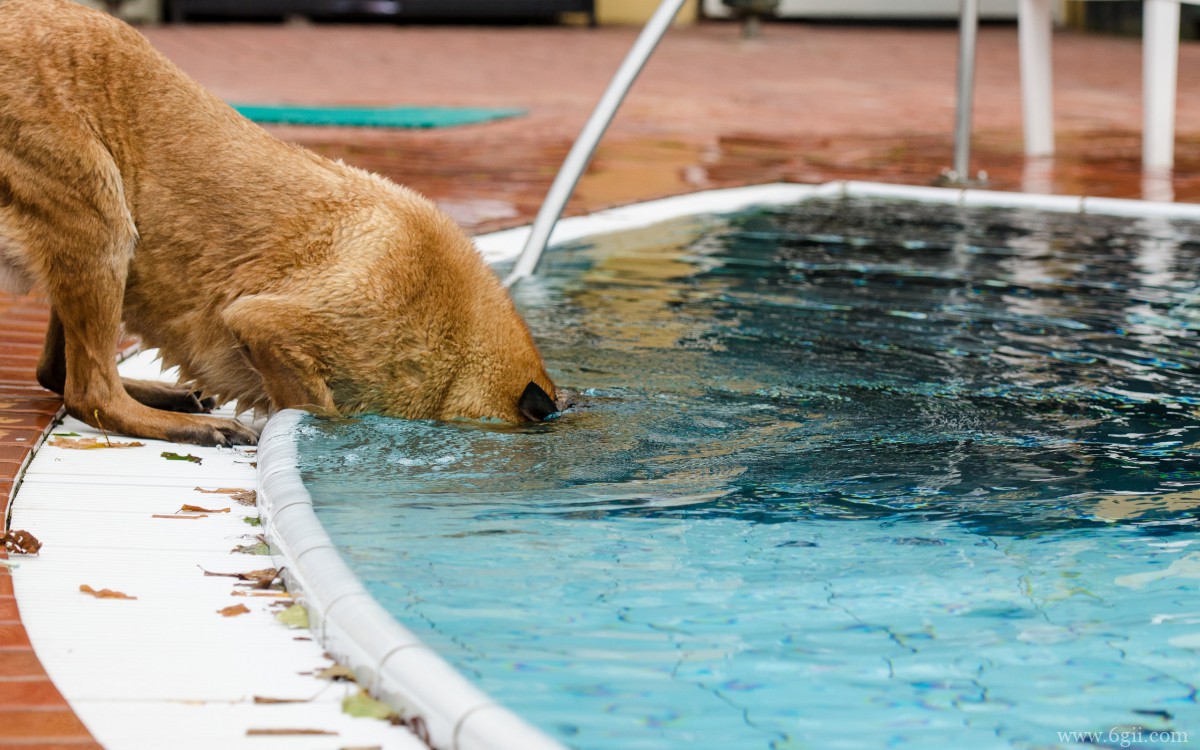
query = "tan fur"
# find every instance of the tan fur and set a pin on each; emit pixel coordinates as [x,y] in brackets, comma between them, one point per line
[267,274]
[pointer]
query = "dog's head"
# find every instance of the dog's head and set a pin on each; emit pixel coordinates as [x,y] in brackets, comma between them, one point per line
[413,325]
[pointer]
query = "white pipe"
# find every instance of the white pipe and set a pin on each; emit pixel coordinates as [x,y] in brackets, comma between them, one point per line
[1160,63]
[968,23]
[1034,28]
[585,145]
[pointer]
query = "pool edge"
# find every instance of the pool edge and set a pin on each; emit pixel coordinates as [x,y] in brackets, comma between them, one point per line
[506,244]
[396,666]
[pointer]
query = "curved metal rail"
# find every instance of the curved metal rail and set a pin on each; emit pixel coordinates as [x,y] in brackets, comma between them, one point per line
[585,145]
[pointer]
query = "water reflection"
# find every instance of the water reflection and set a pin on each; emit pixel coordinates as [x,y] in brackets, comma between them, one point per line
[1012,371]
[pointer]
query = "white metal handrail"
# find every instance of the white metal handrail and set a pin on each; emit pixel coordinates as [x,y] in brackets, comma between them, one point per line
[585,145]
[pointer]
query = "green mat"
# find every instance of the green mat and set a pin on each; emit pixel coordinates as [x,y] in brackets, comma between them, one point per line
[373,117]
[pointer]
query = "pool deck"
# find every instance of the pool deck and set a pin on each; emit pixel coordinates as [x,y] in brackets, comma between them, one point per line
[808,103]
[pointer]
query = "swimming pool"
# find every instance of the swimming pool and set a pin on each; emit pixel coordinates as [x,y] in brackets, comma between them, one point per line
[850,474]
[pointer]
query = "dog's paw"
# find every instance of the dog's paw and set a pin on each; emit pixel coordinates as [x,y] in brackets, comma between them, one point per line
[219,432]
[168,398]
[235,433]
[190,402]
[186,402]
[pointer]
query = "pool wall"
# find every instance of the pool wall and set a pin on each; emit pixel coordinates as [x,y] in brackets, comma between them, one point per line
[390,660]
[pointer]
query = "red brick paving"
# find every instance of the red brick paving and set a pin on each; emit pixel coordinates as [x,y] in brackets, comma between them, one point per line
[809,103]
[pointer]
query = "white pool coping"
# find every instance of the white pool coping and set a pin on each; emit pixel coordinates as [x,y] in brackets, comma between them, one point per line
[506,245]
[166,671]
[388,658]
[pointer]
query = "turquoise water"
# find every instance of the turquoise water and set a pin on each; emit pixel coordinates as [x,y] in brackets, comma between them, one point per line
[841,475]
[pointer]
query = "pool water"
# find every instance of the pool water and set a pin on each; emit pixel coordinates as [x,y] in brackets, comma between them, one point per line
[845,474]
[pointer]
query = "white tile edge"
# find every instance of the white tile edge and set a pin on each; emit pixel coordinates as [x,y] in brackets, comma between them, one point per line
[506,244]
[359,633]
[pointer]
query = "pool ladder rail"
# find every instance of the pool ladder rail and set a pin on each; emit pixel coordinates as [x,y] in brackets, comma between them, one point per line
[584,147]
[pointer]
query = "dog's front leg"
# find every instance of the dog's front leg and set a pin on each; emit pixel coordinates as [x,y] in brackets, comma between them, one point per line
[93,391]
[52,375]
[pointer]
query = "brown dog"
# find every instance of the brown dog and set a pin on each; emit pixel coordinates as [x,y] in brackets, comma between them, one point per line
[267,274]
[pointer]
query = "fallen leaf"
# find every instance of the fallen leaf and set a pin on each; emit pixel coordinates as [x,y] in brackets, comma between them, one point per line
[336,673]
[176,515]
[263,701]
[261,578]
[258,548]
[288,732]
[237,494]
[274,594]
[197,509]
[252,520]
[104,593]
[65,434]
[295,616]
[234,610]
[363,706]
[21,543]
[90,443]
[176,457]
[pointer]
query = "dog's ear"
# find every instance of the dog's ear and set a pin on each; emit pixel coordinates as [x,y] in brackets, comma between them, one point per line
[284,341]
[534,404]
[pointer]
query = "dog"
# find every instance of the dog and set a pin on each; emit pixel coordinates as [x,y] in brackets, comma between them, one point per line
[268,275]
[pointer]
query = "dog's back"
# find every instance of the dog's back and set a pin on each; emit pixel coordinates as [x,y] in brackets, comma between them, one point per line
[252,264]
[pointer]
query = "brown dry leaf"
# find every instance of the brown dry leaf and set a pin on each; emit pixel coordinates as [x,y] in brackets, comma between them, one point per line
[271,594]
[104,593]
[261,578]
[197,509]
[21,543]
[336,673]
[288,732]
[176,515]
[239,495]
[234,611]
[90,443]
[261,700]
